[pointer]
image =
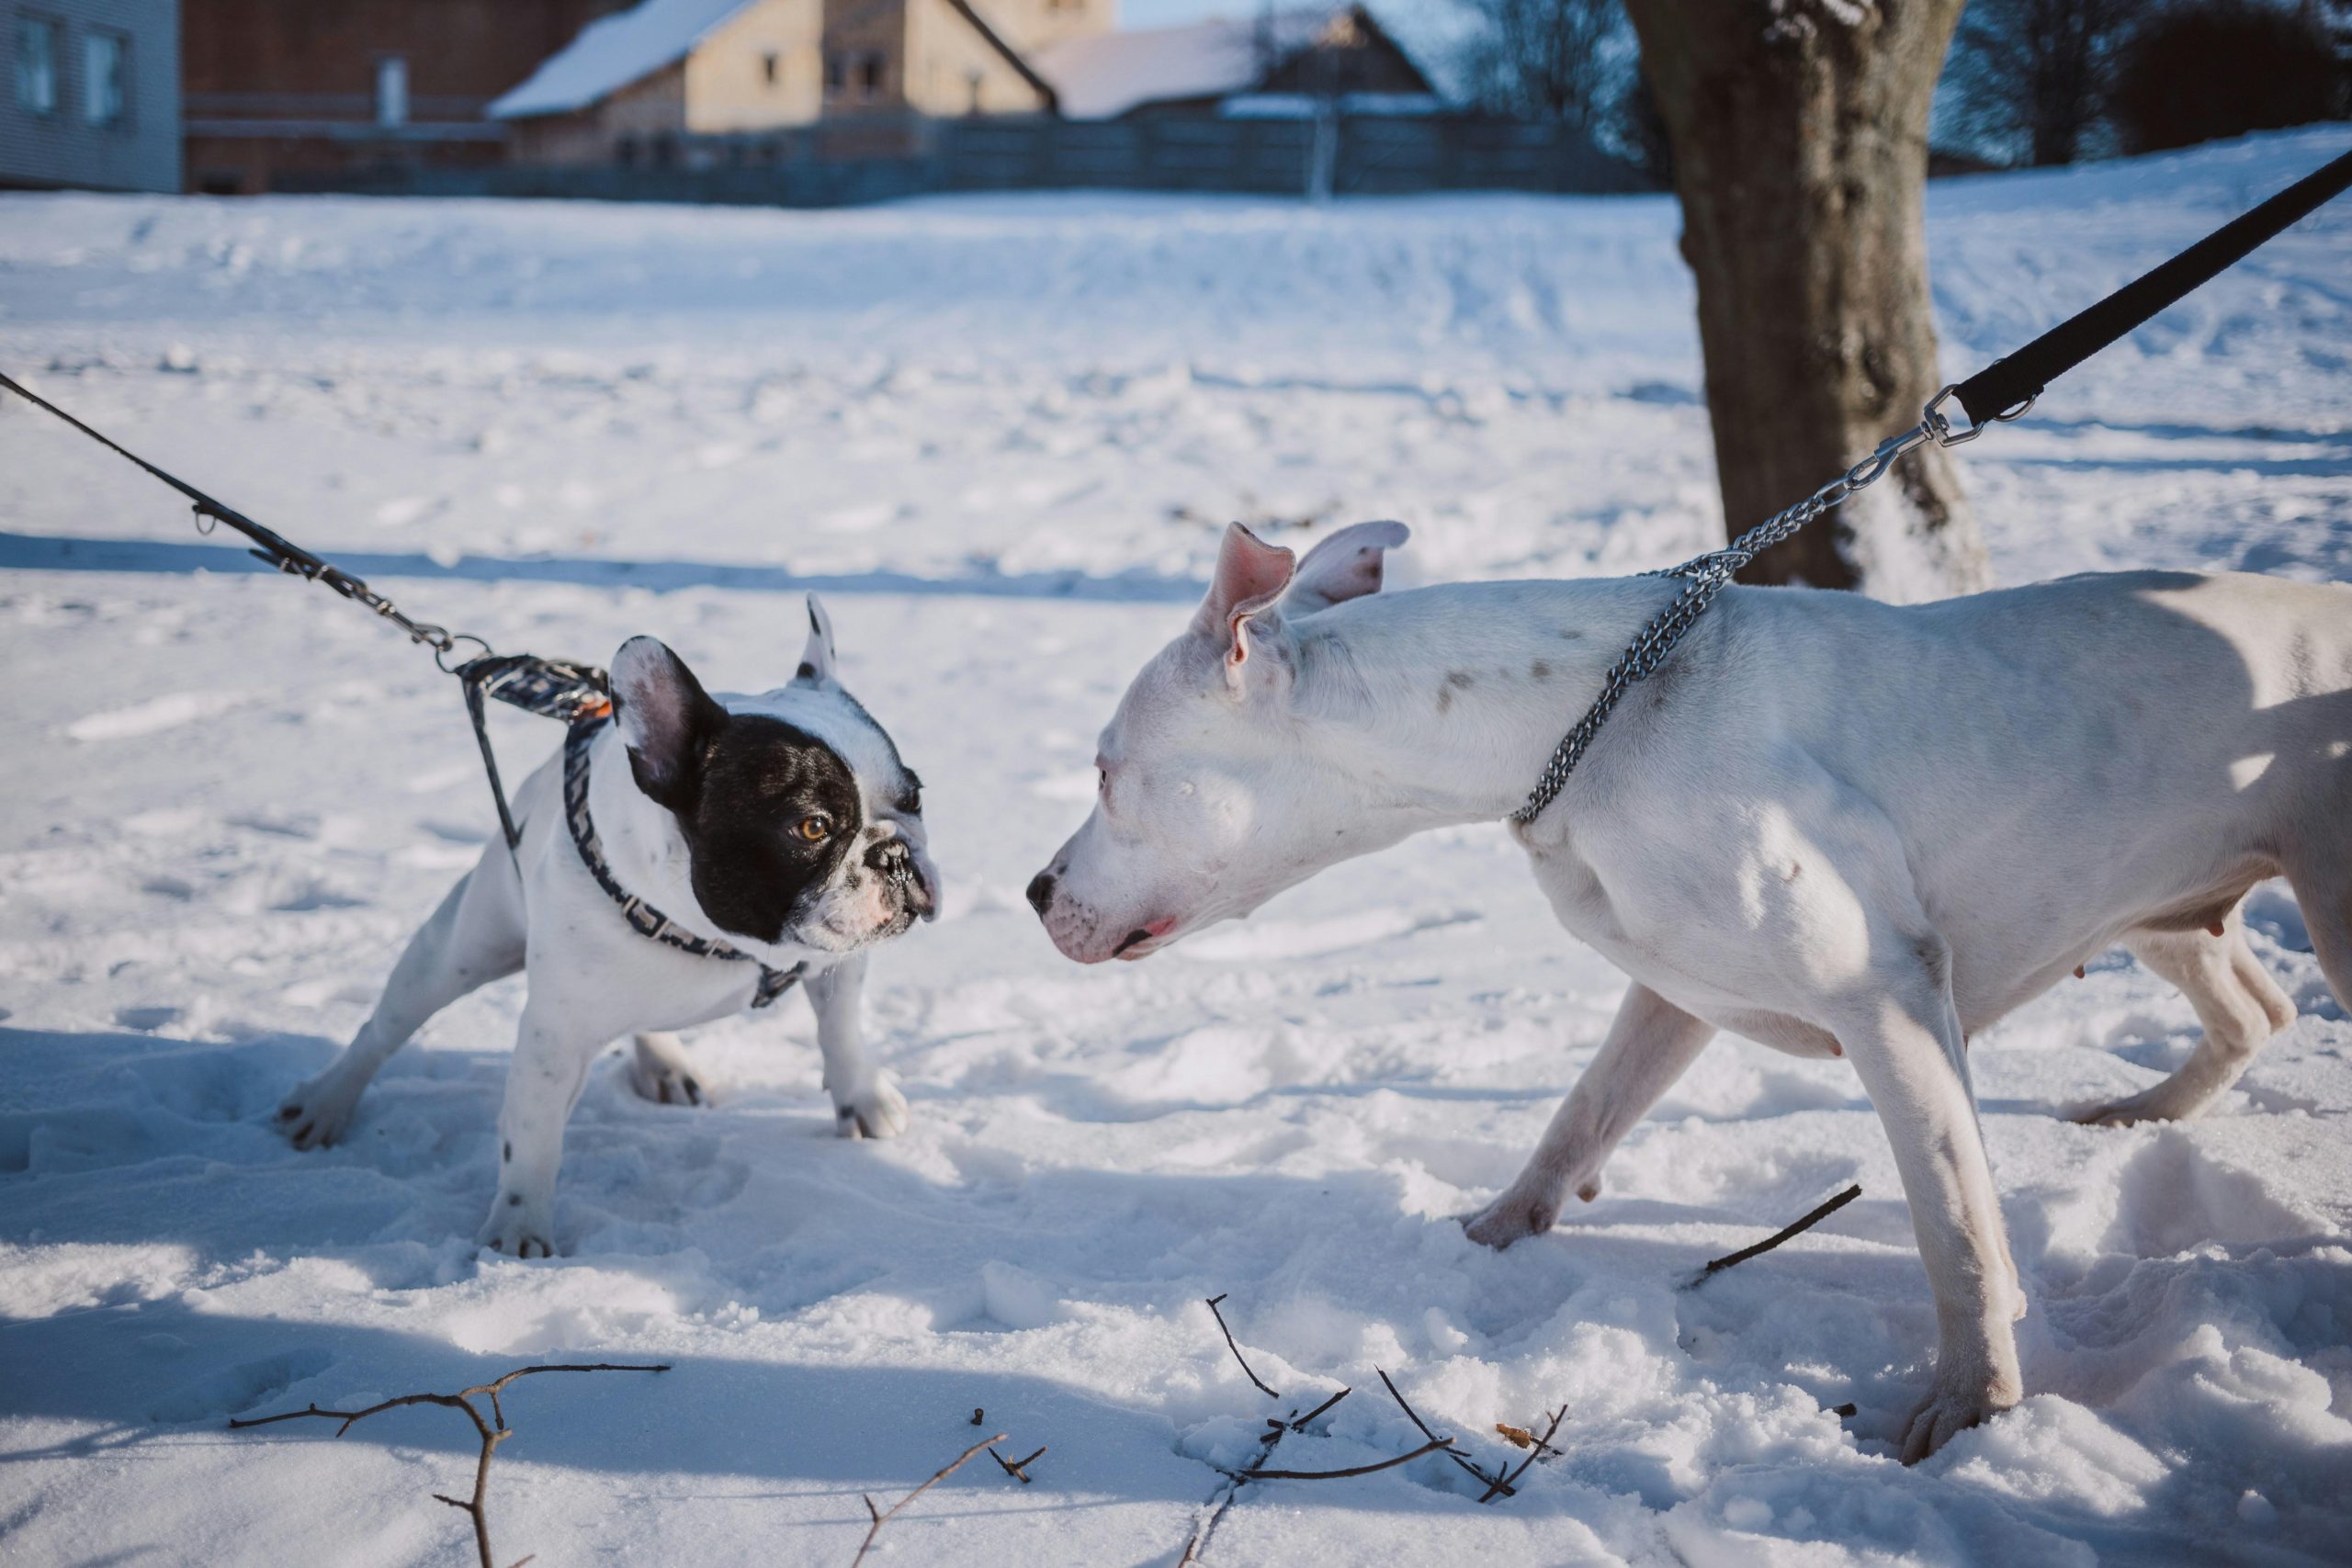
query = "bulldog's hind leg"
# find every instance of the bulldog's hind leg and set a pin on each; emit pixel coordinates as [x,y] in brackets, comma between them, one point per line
[660,1070]
[1649,1044]
[2236,1000]
[475,937]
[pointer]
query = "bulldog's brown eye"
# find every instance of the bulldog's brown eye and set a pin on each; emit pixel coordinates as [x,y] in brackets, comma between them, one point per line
[813,828]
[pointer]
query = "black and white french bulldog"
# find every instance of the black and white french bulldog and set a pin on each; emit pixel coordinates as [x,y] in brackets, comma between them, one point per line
[689,858]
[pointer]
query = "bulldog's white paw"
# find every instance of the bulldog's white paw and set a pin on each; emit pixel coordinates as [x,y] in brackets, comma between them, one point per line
[658,1071]
[518,1227]
[1514,1216]
[878,1111]
[1949,1410]
[318,1113]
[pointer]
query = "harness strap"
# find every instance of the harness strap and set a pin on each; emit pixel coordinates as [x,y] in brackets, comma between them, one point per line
[642,917]
[552,688]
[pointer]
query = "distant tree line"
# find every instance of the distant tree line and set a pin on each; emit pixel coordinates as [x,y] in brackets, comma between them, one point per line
[2027,82]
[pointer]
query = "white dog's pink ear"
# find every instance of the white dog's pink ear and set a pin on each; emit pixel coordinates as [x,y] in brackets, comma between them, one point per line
[1345,565]
[665,716]
[1251,575]
[816,657]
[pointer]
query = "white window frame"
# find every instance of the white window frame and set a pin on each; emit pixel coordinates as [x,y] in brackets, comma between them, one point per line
[37,80]
[106,78]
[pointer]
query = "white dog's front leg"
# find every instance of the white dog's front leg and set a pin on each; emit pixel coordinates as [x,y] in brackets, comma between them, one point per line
[1906,1044]
[550,1067]
[1650,1043]
[865,1103]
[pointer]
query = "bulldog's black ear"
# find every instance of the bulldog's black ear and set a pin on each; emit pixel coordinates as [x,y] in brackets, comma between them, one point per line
[666,718]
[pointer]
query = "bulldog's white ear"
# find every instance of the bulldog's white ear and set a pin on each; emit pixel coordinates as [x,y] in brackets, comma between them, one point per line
[817,658]
[664,716]
[1345,565]
[1250,576]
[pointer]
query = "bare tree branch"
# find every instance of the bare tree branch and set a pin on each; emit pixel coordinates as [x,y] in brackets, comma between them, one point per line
[1776,1238]
[1017,1468]
[1435,1445]
[491,1433]
[881,1519]
[1253,1377]
[1490,1481]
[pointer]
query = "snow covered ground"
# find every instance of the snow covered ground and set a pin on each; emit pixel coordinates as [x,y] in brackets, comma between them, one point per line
[1001,435]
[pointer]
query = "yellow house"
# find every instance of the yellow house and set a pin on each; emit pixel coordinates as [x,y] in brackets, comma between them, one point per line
[633,87]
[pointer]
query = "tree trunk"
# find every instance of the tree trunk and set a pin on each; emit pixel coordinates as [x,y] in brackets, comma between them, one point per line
[1799,129]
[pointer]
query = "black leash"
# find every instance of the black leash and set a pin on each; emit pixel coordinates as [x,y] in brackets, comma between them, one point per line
[2011,383]
[554,688]
[2002,391]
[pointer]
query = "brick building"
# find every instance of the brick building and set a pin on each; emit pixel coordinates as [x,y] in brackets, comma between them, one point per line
[93,94]
[327,86]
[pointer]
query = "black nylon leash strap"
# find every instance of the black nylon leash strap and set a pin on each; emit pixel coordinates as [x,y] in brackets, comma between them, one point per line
[2010,383]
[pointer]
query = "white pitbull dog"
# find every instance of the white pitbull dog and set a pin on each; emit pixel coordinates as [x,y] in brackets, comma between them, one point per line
[692,857]
[1836,826]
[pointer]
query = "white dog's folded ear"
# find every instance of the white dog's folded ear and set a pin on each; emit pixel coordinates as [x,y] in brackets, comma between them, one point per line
[665,716]
[1250,576]
[816,657]
[1345,565]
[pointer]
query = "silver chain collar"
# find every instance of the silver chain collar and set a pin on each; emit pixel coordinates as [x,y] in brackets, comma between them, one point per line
[1705,576]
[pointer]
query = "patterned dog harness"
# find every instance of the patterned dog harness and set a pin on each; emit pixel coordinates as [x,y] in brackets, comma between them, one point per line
[647,920]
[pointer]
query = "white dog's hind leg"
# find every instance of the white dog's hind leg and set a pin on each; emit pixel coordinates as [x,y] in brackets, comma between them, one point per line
[2236,1000]
[660,1070]
[1650,1043]
[475,937]
[866,1104]
[552,1055]
[1902,1036]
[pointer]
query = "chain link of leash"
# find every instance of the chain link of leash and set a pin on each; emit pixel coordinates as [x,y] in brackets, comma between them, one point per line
[1705,576]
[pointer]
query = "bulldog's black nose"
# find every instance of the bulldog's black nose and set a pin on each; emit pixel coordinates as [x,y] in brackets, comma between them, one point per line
[1041,891]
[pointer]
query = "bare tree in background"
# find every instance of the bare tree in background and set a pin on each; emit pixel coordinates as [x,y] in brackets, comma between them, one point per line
[2037,72]
[1545,59]
[1799,129]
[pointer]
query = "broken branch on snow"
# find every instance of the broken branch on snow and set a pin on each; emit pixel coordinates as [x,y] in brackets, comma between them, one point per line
[1230,1345]
[881,1518]
[493,1432]
[1776,1238]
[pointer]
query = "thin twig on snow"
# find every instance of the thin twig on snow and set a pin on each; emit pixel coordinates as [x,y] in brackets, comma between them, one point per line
[881,1518]
[493,1432]
[1776,1238]
[1230,1345]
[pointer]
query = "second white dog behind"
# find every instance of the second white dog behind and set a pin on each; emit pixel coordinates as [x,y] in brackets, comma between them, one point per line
[1836,826]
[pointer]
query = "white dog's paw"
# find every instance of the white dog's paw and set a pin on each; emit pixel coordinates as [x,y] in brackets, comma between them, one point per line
[658,1071]
[518,1227]
[2149,1105]
[1514,1216]
[318,1112]
[1947,1412]
[878,1111]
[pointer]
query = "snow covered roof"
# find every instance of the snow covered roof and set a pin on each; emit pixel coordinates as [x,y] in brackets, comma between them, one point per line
[611,53]
[1104,75]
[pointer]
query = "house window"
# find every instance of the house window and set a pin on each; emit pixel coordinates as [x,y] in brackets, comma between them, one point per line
[871,72]
[836,72]
[391,90]
[105,71]
[37,65]
[768,63]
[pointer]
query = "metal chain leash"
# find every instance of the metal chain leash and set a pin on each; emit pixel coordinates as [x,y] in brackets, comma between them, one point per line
[1706,576]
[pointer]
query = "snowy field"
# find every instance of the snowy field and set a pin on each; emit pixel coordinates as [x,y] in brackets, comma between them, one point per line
[1001,435]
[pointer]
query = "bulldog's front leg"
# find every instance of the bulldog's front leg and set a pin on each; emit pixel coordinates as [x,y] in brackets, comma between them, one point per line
[1904,1039]
[552,1055]
[1649,1045]
[866,1104]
